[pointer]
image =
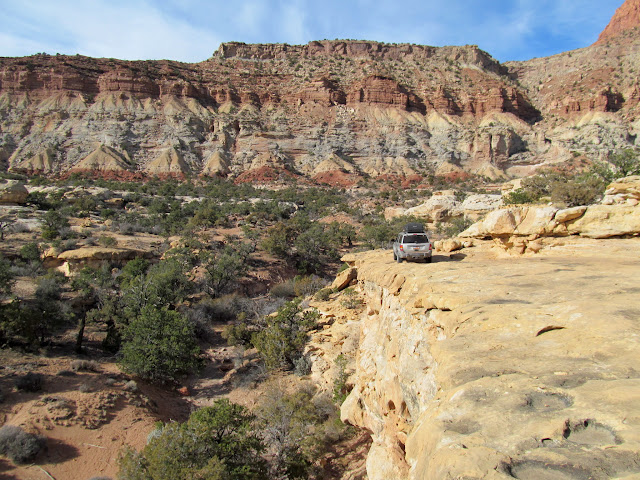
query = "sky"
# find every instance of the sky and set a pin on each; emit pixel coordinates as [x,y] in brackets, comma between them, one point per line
[191,30]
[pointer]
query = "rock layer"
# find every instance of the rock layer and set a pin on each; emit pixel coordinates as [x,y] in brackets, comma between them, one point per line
[404,110]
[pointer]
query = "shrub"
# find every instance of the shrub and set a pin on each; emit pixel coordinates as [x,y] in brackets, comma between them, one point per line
[224,267]
[85,365]
[302,366]
[350,299]
[18,445]
[237,334]
[285,335]
[455,227]
[517,197]
[159,344]
[283,290]
[131,386]
[626,162]
[323,294]
[30,252]
[297,427]
[217,442]
[53,223]
[340,382]
[580,191]
[107,241]
[30,382]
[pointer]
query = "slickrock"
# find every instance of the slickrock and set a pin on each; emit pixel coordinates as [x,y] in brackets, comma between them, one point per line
[485,366]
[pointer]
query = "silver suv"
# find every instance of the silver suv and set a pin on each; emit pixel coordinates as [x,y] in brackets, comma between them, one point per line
[412,244]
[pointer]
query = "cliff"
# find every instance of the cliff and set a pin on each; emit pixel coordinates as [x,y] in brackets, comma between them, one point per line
[626,18]
[485,365]
[380,109]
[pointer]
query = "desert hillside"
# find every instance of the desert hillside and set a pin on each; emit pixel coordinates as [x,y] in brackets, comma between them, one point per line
[349,107]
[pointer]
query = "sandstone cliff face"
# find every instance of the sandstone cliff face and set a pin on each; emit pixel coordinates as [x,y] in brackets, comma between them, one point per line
[465,370]
[374,105]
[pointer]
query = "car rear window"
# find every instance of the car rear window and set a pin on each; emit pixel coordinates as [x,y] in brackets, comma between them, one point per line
[415,239]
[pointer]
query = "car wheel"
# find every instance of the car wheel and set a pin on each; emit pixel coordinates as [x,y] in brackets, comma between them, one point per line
[394,256]
[428,259]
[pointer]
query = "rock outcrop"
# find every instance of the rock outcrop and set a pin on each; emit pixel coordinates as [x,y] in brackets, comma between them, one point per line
[521,227]
[626,18]
[464,371]
[13,192]
[70,262]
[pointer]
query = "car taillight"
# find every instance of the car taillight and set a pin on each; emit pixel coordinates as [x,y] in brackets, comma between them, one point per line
[401,248]
[430,247]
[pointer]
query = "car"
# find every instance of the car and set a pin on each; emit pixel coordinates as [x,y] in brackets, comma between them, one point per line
[412,244]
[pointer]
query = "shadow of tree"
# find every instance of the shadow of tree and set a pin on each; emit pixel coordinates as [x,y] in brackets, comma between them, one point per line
[57,452]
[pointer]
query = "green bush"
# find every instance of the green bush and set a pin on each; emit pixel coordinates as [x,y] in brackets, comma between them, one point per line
[53,223]
[159,345]
[626,162]
[454,227]
[579,191]
[350,299]
[107,241]
[298,428]
[323,294]
[282,340]
[583,189]
[223,268]
[518,197]
[217,442]
[340,382]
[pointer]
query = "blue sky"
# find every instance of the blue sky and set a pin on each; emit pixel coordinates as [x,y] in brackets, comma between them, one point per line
[191,30]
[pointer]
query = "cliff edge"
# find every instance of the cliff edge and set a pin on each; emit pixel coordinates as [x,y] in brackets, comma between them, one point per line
[486,365]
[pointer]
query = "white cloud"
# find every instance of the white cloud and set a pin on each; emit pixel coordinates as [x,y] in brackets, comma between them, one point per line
[191,30]
[137,30]
[293,23]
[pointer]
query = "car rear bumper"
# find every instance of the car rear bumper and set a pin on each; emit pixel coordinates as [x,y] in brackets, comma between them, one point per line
[416,255]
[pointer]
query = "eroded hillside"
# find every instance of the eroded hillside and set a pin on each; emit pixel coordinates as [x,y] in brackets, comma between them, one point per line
[331,111]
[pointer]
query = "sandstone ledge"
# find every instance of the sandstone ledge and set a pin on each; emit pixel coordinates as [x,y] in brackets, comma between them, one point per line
[476,366]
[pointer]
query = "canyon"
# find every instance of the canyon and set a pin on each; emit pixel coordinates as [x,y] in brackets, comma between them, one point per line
[354,109]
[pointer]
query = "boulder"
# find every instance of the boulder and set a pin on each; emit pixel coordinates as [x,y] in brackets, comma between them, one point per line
[344,278]
[440,207]
[500,222]
[448,245]
[537,221]
[567,214]
[474,206]
[13,191]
